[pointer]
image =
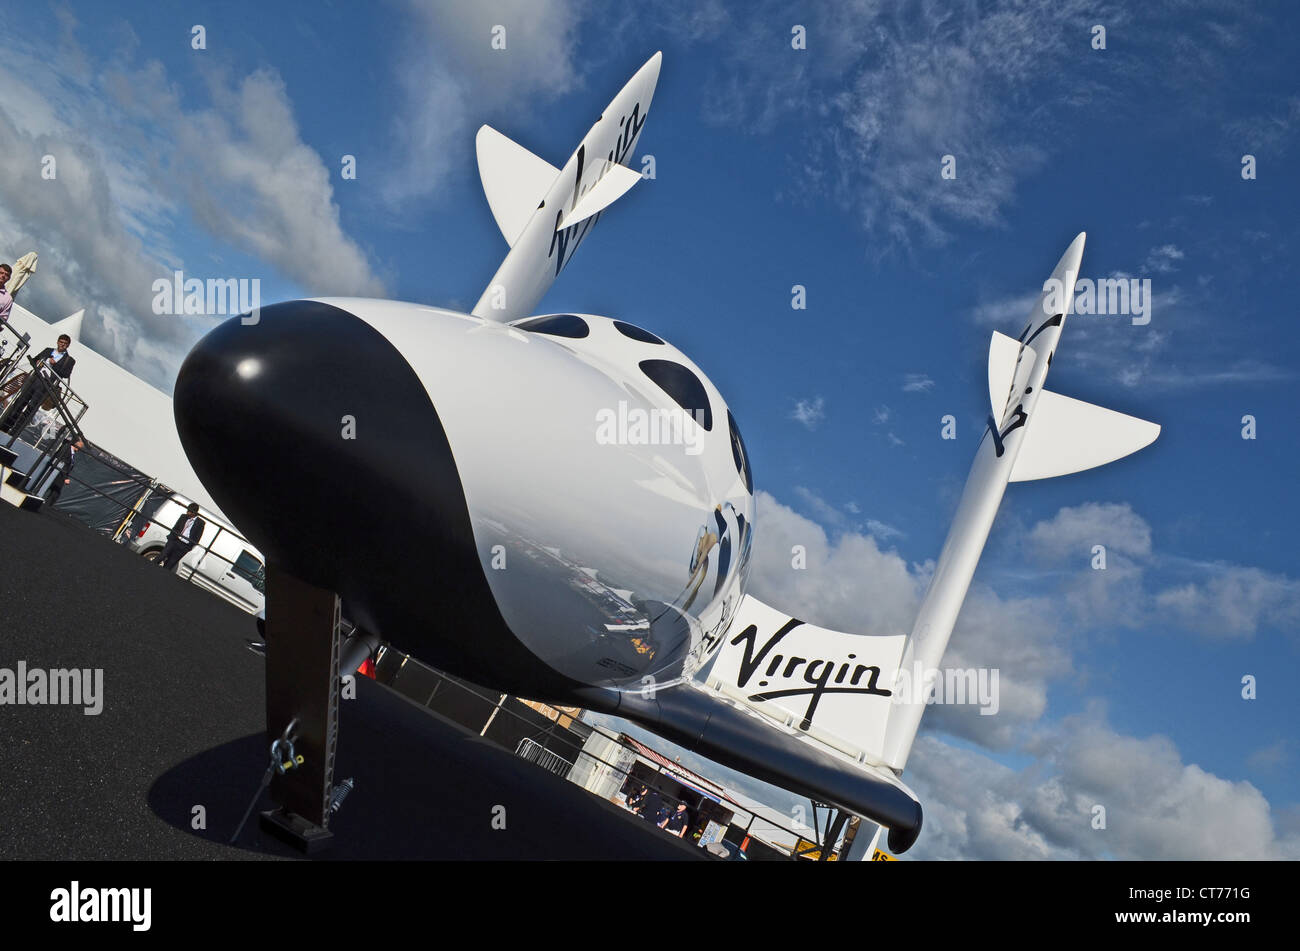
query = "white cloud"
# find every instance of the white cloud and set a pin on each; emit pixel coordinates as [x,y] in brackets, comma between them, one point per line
[447,61]
[920,87]
[1112,348]
[971,807]
[1234,602]
[819,506]
[849,583]
[1156,805]
[1162,259]
[1268,758]
[1272,131]
[1006,313]
[882,530]
[1071,534]
[1219,600]
[838,519]
[917,383]
[892,88]
[809,413]
[1251,372]
[1023,639]
[134,161]
[253,182]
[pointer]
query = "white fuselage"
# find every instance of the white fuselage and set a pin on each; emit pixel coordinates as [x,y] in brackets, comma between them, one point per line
[602,512]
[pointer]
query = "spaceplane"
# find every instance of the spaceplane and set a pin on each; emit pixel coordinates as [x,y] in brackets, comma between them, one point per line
[560,506]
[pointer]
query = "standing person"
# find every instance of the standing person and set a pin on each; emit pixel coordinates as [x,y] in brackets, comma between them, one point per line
[64,460]
[678,822]
[652,807]
[185,534]
[51,362]
[6,299]
[634,800]
[55,359]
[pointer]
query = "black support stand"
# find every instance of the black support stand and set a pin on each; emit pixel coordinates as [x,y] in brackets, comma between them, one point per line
[833,829]
[302,689]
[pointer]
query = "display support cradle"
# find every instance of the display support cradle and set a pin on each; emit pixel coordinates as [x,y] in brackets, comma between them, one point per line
[302,688]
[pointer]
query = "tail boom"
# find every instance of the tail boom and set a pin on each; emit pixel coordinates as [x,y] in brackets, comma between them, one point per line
[1033,434]
[594,177]
[845,693]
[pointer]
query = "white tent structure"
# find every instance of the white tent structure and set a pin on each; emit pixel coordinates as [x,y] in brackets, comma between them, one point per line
[126,417]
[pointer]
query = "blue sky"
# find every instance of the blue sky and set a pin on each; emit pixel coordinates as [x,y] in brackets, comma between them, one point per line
[818,167]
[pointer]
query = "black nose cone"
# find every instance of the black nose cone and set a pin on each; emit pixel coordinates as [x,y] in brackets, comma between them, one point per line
[312,432]
[318,439]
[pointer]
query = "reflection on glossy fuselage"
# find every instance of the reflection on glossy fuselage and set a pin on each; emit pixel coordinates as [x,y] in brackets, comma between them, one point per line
[476,519]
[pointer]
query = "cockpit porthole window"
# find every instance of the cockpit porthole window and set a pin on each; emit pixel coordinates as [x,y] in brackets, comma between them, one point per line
[683,386]
[636,333]
[557,325]
[739,454]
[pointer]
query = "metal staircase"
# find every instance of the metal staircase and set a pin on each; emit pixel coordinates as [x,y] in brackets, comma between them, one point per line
[11,482]
[52,395]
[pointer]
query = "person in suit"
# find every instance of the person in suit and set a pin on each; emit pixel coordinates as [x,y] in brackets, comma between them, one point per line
[56,359]
[185,534]
[51,362]
[64,460]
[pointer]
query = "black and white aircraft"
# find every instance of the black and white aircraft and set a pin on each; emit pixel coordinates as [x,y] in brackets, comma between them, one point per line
[561,506]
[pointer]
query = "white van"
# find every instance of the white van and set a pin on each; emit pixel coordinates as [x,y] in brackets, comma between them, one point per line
[222,562]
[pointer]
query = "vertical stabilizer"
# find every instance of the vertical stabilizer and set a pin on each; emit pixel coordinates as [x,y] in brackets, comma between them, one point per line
[548,227]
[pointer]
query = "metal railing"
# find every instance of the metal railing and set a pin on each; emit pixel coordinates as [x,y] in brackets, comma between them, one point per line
[39,388]
[548,760]
[14,344]
[534,747]
[209,570]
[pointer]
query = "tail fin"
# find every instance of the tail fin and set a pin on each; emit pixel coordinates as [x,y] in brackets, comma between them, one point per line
[834,687]
[847,691]
[544,212]
[1070,435]
[514,179]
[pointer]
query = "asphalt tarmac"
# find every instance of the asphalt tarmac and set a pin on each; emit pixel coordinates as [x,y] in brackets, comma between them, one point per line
[168,766]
